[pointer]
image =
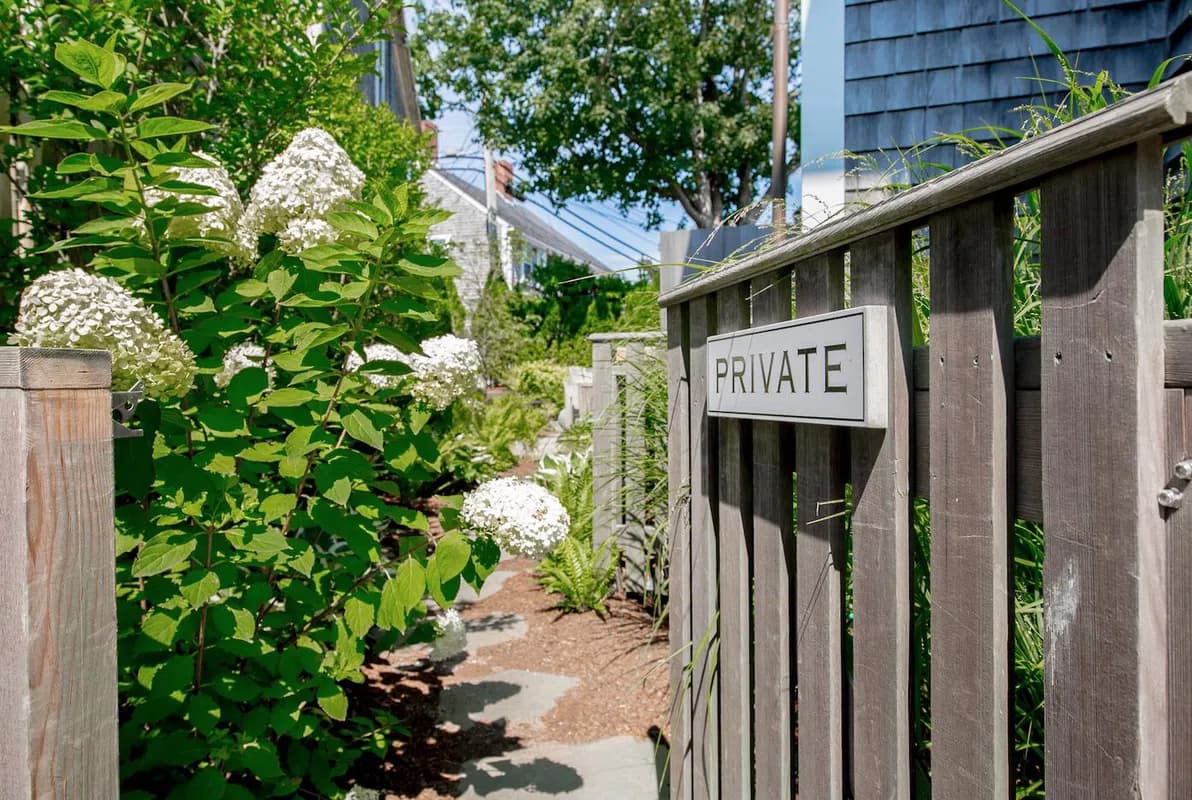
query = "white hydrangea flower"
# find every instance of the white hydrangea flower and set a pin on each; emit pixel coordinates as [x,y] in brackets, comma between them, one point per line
[75,309]
[447,369]
[453,636]
[223,221]
[311,177]
[521,517]
[241,357]
[376,352]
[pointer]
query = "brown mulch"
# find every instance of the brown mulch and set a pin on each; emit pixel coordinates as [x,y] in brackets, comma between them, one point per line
[619,663]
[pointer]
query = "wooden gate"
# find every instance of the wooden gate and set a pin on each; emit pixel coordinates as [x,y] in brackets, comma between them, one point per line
[1079,429]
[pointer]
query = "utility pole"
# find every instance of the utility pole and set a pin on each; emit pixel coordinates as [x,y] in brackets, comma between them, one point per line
[782,44]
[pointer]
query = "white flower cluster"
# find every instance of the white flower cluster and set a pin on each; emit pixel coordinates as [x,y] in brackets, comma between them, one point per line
[376,352]
[296,190]
[521,517]
[241,357]
[447,369]
[223,221]
[75,309]
[453,636]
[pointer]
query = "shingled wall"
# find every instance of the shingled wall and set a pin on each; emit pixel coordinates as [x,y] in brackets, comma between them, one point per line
[915,68]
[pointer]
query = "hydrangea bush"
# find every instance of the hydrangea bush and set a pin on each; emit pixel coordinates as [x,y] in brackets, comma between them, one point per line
[266,539]
[521,517]
[447,369]
[73,308]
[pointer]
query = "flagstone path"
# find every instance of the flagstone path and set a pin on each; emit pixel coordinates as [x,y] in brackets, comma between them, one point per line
[541,705]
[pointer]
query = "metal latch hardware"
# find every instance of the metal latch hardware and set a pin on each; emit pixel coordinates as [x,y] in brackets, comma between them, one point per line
[124,407]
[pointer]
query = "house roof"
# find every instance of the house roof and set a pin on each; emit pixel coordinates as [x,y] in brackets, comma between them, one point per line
[535,229]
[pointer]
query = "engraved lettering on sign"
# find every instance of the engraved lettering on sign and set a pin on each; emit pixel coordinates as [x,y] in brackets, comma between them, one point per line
[828,369]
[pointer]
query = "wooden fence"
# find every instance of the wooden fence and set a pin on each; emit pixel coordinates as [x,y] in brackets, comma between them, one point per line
[1080,429]
[57,576]
[620,366]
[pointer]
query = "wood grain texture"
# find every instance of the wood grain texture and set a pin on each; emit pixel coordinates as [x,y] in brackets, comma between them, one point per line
[971,473]
[679,504]
[773,575]
[704,486]
[1177,359]
[57,587]
[15,744]
[1163,110]
[46,368]
[821,466]
[734,534]
[1102,407]
[1179,594]
[72,593]
[881,531]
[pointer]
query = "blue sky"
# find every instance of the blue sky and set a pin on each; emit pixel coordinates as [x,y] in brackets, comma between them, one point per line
[617,238]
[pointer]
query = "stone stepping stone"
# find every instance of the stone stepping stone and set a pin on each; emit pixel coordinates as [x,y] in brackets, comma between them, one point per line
[492,585]
[495,628]
[512,695]
[620,768]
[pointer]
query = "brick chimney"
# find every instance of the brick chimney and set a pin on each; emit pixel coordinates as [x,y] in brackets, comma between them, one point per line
[432,144]
[504,177]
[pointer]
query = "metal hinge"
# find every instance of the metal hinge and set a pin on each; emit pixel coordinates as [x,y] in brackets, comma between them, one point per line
[124,406]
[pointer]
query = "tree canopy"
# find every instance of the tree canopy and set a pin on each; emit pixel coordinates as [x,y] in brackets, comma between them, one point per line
[619,100]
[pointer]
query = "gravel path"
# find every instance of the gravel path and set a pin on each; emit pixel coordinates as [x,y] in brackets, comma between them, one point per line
[542,705]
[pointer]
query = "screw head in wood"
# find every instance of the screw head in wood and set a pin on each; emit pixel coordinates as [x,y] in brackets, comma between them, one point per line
[1171,498]
[1183,469]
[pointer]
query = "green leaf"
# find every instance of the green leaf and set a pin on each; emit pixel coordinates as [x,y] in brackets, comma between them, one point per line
[198,586]
[160,627]
[391,613]
[277,506]
[156,127]
[411,583]
[452,554]
[161,553]
[101,101]
[353,223]
[359,616]
[203,712]
[158,93]
[360,428]
[207,784]
[279,282]
[90,62]
[333,700]
[246,624]
[428,266]
[288,398]
[55,129]
[340,491]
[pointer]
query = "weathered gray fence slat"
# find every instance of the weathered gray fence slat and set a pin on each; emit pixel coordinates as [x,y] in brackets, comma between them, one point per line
[773,574]
[1179,620]
[881,530]
[1102,404]
[57,576]
[735,520]
[972,329]
[819,556]
[705,763]
[1177,359]
[605,497]
[679,586]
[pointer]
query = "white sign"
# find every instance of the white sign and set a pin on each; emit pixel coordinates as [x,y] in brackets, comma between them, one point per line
[828,369]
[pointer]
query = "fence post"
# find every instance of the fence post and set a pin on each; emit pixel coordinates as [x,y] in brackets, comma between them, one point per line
[57,575]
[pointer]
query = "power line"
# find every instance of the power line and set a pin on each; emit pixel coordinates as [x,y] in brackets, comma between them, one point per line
[571,225]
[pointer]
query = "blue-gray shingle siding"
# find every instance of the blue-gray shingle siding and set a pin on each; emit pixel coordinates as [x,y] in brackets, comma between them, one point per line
[917,68]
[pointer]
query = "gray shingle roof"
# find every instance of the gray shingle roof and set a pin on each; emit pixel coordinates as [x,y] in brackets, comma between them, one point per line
[535,229]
